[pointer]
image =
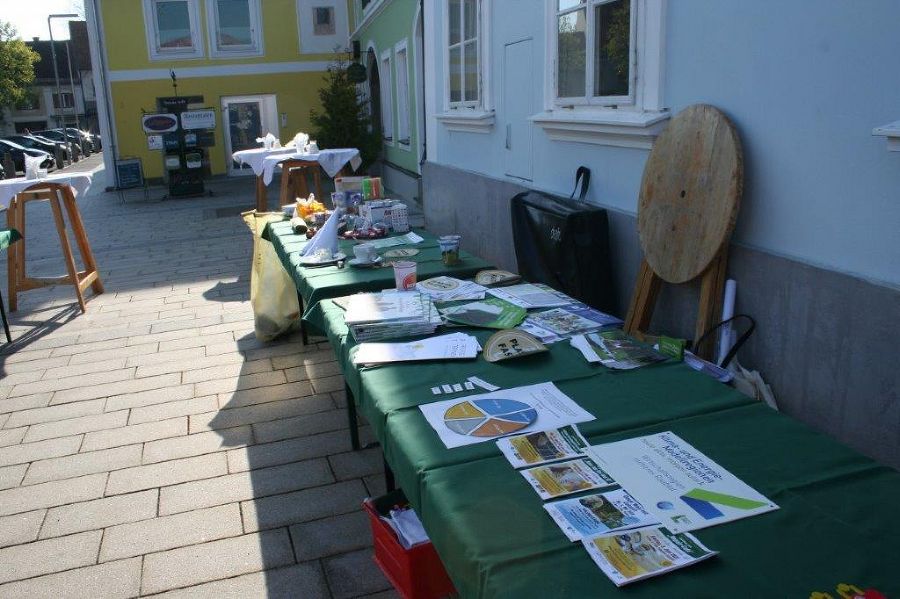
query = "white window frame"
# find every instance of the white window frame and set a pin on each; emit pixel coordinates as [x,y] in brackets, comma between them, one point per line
[152,32]
[386,89]
[633,123]
[473,117]
[212,29]
[403,129]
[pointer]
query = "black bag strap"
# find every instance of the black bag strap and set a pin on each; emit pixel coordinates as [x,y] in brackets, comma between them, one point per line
[737,344]
[582,174]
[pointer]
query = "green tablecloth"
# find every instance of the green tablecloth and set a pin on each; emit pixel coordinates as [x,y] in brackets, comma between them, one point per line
[496,540]
[316,284]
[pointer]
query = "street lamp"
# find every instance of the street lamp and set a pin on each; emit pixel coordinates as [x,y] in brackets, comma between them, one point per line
[56,74]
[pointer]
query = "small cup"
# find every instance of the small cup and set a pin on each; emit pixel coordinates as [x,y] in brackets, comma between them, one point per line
[364,252]
[405,275]
[449,249]
[289,210]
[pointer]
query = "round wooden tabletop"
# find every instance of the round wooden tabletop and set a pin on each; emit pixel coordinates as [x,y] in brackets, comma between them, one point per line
[690,193]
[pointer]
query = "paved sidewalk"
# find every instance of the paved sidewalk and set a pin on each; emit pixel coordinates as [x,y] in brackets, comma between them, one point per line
[153,445]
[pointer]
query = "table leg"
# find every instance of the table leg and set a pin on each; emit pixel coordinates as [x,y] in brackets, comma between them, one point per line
[67,250]
[12,255]
[262,202]
[317,181]
[389,483]
[303,336]
[351,418]
[87,255]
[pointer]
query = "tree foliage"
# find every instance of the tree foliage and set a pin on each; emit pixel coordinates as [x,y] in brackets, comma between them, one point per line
[343,121]
[16,66]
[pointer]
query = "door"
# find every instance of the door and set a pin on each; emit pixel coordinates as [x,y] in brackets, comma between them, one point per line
[518,77]
[246,118]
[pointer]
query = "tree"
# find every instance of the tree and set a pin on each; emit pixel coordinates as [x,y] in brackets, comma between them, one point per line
[343,121]
[16,66]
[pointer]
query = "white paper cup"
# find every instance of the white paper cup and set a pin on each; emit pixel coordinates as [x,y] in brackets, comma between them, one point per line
[364,252]
[405,275]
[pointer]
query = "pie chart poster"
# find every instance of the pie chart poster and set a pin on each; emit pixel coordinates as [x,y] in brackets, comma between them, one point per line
[487,416]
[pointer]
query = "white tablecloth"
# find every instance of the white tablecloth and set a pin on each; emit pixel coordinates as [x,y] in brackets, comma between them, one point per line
[331,160]
[254,158]
[80,183]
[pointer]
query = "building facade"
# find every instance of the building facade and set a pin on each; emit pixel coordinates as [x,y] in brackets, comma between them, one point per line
[258,63]
[519,94]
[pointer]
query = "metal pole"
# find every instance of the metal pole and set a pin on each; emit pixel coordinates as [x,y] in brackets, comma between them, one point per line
[72,86]
[56,73]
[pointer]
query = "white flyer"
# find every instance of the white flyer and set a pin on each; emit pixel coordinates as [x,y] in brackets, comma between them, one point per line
[541,447]
[598,513]
[487,416]
[681,486]
[564,478]
[531,295]
[644,552]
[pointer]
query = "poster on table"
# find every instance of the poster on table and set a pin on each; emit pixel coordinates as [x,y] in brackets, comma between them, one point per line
[681,486]
[487,416]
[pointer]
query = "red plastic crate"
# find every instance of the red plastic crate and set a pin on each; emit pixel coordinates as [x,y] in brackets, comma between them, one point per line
[416,573]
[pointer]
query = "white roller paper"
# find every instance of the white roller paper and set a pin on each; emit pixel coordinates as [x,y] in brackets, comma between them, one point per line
[726,335]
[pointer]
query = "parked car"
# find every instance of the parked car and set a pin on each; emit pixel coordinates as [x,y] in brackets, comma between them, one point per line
[18,154]
[28,141]
[84,138]
[59,136]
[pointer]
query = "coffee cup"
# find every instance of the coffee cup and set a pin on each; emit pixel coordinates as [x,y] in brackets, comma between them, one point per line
[364,252]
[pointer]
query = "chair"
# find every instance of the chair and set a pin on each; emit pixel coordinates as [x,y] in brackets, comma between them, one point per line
[7,238]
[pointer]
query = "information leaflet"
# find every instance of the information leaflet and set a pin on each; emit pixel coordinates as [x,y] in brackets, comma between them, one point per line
[542,447]
[598,513]
[564,478]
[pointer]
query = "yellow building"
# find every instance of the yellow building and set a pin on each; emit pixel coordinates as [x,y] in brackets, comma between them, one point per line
[258,63]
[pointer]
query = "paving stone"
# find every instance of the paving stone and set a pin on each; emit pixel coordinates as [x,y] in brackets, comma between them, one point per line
[313,371]
[11,476]
[52,413]
[228,418]
[73,382]
[99,513]
[44,363]
[116,388]
[80,464]
[195,341]
[354,574]
[290,450]
[244,486]
[257,369]
[287,428]
[166,473]
[74,426]
[20,528]
[137,433]
[29,452]
[111,581]
[169,532]
[83,369]
[329,536]
[52,555]
[23,499]
[303,359]
[13,436]
[117,351]
[300,506]
[327,384]
[148,398]
[173,409]
[216,560]
[300,581]
[182,355]
[25,402]
[197,444]
[195,364]
[260,395]
[356,464]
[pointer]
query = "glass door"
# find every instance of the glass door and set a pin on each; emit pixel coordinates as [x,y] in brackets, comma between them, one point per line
[246,118]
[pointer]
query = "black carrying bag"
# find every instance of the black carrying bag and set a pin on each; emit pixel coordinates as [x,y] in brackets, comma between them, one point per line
[564,243]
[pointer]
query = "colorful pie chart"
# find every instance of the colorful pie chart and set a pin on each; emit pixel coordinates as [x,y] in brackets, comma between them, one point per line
[489,417]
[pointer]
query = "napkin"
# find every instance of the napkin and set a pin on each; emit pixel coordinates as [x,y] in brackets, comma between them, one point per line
[268,141]
[327,236]
[299,141]
[32,166]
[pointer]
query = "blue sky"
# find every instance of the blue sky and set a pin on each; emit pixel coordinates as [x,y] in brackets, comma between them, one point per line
[30,18]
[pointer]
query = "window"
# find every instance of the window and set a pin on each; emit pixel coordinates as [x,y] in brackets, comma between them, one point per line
[234,27]
[172,29]
[462,46]
[323,20]
[402,65]
[387,102]
[594,50]
[68,100]
[31,101]
[604,79]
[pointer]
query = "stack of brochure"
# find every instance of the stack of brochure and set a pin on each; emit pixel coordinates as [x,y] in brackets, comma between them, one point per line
[448,289]
[560,323]
[456,346]
[390,314]
[532,295]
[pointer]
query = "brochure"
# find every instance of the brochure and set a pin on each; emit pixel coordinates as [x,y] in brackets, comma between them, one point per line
[616,350]
[447,289]
[637,554]
[532,295]
[542,447]
[564,478]
[598,513]
[487,416]
[456,346]
[560,323]
[682,487]
[491,313]
[409,238]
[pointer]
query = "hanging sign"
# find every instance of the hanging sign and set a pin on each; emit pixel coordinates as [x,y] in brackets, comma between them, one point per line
[155,142]
[159,123]
[198,119]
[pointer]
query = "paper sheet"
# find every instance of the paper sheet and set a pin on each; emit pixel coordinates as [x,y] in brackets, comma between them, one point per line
[598,513]
[543,446]
[456,346]
[564,478]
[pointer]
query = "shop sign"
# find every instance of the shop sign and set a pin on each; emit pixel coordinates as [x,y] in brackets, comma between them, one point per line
[159,123]
[198,119]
